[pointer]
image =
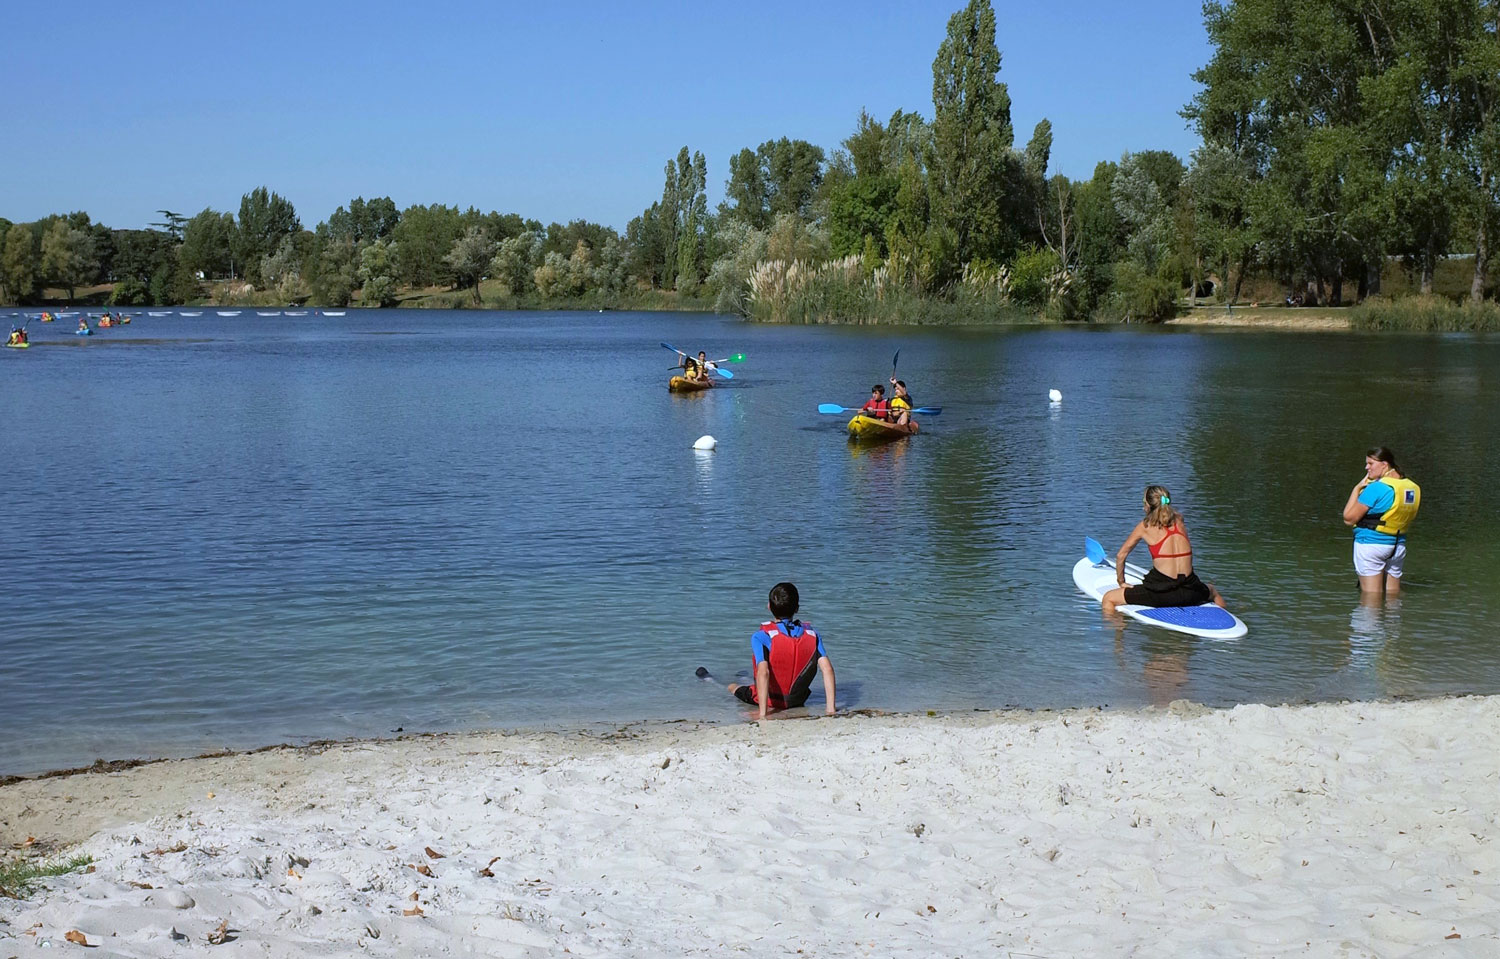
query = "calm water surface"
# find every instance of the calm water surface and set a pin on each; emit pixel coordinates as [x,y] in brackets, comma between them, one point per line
[237,531]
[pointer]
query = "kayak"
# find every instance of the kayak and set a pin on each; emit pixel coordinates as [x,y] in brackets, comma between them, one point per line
[19,346]
[871,429]
[681,384]
[83,332]
[1208,621]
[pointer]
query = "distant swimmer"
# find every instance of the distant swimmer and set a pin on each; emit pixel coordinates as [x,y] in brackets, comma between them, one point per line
[1171,580]
[787,654]
[1381,507]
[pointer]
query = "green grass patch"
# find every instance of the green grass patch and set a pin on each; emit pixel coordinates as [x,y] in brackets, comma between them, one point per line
[1425,314]
[19,876]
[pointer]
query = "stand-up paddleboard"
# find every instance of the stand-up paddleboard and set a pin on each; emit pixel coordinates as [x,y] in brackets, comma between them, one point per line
[1095,575]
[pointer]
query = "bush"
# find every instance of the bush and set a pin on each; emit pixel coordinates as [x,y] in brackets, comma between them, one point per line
[1431,313]
[1031,277]
[1139,296]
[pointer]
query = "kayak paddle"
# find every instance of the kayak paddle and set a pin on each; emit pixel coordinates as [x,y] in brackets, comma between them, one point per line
[835,408]
[724,373]
[736,358]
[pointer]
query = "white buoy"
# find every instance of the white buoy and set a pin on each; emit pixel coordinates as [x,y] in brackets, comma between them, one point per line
[705,443]
[1055,395]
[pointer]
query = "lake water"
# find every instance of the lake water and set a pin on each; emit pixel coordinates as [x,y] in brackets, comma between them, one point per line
[233,531]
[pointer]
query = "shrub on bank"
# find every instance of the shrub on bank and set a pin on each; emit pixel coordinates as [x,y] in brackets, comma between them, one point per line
[1425,313]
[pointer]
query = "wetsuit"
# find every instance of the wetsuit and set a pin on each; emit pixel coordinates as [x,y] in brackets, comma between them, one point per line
[793,649]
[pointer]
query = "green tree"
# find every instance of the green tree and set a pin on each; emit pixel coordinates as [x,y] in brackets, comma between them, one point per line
[207,244]
[426,235]
[377,273]
[266,219]
[781,176]
[21,261]
[68,257]
[469,259]
[972,167]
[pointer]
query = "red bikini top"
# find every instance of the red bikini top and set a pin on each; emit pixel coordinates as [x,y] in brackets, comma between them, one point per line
[1172,530]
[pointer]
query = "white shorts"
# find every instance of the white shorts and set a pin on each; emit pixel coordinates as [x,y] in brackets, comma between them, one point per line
[1374,559]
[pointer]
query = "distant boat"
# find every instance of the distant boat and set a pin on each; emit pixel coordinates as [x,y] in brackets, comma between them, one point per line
[228,312]
[151,313]
[199,313]
[65,314]
[333,312]
[259,313]
[299,313]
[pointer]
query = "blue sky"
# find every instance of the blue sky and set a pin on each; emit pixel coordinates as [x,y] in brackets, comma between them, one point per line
[557,111]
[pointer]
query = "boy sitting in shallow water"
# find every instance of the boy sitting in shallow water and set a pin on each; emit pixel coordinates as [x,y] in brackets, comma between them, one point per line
[787,653]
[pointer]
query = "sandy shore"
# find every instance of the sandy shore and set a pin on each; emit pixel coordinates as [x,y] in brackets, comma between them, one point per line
[1266,319]
[1329,830]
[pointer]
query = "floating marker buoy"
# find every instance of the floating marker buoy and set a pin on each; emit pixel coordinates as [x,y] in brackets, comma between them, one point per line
[1055,395]
[705,443]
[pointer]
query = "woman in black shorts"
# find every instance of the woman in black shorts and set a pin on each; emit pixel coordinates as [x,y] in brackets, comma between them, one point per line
[1171,580]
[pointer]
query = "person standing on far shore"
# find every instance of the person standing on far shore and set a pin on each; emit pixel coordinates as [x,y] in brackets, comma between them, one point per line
[787,654]
[1380,508]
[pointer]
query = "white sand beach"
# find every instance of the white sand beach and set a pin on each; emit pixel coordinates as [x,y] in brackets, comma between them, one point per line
[1350,830]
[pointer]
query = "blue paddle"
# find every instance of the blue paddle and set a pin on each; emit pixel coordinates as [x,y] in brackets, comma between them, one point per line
[1095,552]
[719,370]
[835,408]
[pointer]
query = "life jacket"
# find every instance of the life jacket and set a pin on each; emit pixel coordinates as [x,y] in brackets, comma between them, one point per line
[899,403]
[794,663]
[1395,520]
[877,409]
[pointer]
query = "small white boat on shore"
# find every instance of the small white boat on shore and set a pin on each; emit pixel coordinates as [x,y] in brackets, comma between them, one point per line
[162,313]
[228,312]
[199,313]
[333,312]
[264,313]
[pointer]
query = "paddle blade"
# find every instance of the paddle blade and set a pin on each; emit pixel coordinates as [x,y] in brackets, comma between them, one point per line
[737,358]
[723,372]
[832,408]
[674,349]
[1093,550]
[928,410]
[893,362]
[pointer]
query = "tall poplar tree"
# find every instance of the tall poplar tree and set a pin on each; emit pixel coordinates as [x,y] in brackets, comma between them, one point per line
[972,159]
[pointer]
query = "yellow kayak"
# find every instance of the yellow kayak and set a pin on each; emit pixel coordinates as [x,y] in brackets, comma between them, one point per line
[19,346]
[681,384]
[870,429]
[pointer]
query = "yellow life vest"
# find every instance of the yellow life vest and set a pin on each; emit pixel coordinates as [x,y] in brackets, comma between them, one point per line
[899,403]
[1394,521]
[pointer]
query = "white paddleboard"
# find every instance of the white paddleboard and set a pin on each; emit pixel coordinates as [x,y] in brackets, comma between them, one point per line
[1208,621]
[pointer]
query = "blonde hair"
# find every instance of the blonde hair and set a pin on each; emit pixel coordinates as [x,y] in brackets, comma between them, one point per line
[1158,512]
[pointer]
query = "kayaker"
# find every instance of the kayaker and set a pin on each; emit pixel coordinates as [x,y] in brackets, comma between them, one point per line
[704,364]
[876,407]
[787,653]
[1171,580]
[17,336]
[83,324]
[1380,508]
[901,403]
[691,370]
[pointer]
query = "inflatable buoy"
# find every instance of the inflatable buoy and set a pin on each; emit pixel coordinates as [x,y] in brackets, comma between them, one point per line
[1055,395]
[705,443]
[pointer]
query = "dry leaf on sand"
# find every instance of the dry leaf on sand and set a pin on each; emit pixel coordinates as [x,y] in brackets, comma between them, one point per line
[73,935]
[433,853]
[413,911]
[220,935]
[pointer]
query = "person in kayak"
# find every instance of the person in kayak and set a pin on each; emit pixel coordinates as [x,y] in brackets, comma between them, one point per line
[1380,508]
[691,371]
[901,403]
[705,364]
[17,336]
[876,407]
[787,653]
[1171,580]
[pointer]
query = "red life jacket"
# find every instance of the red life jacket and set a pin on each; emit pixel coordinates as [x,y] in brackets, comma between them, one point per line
[794,663]
[877,408]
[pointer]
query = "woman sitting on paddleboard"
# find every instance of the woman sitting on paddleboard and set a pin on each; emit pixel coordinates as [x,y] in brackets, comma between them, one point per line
[1171,580]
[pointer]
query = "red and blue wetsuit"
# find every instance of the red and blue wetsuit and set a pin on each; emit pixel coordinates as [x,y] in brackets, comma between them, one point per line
[792,648]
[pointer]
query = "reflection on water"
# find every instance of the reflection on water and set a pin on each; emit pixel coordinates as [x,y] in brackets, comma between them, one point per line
[238,531]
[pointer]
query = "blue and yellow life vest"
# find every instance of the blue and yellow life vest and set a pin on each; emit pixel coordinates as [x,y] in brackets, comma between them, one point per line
[1394,520]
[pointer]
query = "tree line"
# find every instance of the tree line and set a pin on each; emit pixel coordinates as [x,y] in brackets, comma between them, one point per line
[1339,136]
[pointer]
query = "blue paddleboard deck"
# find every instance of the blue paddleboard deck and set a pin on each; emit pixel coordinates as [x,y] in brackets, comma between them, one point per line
[1208,621]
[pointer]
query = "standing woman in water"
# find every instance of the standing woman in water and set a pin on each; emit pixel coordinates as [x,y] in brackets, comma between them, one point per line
[1380,508]
[1171,580]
